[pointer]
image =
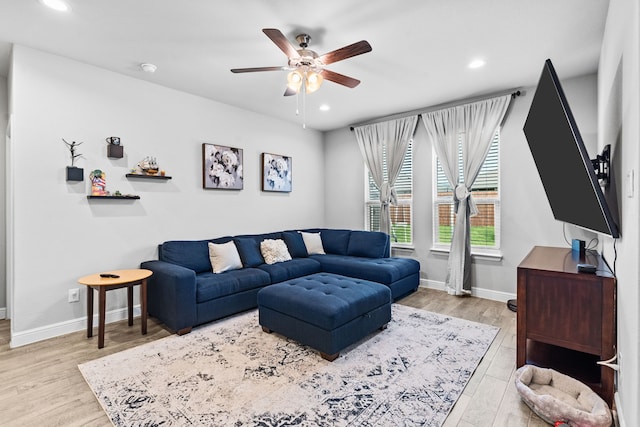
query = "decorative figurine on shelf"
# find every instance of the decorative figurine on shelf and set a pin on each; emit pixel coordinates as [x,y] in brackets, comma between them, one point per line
[148,165]
[72,149]
[98,183]
[74,173]
[114,149]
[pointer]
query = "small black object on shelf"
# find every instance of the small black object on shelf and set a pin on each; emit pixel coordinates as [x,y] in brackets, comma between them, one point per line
[123,197]
[109,275]
[139,175]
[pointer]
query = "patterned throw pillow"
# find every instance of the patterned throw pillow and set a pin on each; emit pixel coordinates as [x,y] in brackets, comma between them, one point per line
[274,251]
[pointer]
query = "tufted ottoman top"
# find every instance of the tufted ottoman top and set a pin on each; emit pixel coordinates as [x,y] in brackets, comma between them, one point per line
[324,299]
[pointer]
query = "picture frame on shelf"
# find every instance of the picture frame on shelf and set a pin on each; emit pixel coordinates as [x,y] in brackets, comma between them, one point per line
[277,173]
[222,167]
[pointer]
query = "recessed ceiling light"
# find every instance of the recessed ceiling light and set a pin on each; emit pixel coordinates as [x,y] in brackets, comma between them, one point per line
[324,107]
[58,5]
[477,63]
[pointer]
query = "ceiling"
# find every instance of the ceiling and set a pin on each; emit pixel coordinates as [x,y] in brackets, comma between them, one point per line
[421,48]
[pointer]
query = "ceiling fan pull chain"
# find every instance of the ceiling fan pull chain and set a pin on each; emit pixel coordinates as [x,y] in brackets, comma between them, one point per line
[304,107]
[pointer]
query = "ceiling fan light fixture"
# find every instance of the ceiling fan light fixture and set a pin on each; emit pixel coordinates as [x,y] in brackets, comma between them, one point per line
[313,81]
[294,80]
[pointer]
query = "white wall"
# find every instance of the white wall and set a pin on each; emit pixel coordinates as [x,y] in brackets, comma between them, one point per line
[4,115]
[618,116]
[527,219]
[61,236]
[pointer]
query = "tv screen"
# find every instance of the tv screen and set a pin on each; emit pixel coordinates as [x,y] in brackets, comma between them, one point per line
[565,168]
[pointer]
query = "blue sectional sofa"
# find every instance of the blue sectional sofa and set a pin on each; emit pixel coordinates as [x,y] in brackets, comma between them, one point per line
[184,291]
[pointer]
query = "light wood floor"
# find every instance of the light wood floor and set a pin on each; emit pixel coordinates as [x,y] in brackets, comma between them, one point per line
[40,384]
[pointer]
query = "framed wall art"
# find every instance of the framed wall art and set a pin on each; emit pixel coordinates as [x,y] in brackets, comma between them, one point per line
[276,173]
[221,167]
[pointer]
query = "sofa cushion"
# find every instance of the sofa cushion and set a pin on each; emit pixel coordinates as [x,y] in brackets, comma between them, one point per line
[192,254]
[295,243]
[274,250]
[335,241]
[313,242]
[297,267]
[249,250]
[370,244]
[381,270]
[211,286]
[224,257]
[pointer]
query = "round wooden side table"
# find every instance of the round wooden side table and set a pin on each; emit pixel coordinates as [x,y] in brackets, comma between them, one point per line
[125,279]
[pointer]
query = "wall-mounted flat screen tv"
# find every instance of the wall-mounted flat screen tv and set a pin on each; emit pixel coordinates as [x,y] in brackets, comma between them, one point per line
[567,173]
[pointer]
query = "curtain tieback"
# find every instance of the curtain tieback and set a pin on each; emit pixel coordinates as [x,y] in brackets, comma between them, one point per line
[462,193]
[388,194]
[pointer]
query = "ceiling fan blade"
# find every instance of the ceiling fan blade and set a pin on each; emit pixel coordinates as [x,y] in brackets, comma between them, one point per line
[281,41]
[290,92]
[354,49]
[251,70]
[340,78]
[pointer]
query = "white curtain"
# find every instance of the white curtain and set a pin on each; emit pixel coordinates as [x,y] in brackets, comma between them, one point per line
[474,125]
[395,135]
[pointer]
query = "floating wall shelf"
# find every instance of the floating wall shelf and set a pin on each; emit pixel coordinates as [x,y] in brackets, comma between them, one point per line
[115,151]
[139,175]
[129,197]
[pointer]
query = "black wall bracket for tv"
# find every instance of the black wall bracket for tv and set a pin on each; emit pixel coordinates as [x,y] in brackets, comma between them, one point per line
[602,165]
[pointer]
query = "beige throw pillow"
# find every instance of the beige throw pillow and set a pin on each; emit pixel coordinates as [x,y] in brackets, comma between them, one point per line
[313,242]
[224,257]
[274,251]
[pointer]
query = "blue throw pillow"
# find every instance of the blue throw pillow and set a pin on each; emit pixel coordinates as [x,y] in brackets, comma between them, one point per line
[297,248]
[193,254]
[335,241]
[369,244]
[249,250]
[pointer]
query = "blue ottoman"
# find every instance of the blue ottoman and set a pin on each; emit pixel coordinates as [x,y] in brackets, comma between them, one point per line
[325,311]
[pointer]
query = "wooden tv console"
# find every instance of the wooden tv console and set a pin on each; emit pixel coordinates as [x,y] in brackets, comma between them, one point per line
[567,319]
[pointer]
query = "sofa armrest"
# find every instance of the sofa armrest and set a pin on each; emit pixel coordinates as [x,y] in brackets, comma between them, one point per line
[171,295]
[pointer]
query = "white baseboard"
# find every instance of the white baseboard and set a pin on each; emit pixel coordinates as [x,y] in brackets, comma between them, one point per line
[621,421]
[476,292]
[50,331]
[3,313]
[80,324]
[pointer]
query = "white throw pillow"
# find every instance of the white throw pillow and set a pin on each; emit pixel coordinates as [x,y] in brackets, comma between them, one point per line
[274,251]
[313,242]
[224,257]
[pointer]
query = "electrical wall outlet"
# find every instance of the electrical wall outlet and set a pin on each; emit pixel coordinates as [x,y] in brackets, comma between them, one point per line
[74,295]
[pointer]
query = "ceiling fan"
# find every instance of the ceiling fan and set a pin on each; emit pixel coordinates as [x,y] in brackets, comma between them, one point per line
[307,68]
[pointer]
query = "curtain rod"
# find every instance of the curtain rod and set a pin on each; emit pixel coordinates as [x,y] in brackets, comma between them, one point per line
[514,93]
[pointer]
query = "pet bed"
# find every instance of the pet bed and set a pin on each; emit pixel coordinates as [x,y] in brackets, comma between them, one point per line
[558,397]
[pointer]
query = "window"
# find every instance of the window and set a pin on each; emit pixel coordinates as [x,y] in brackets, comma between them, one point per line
[485,227]
[401,214]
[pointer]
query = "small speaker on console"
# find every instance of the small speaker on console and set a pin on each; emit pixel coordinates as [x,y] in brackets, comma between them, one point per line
[577,247]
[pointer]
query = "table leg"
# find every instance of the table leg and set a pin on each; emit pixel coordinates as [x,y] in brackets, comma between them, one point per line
[89,311]
[130,303]
[101,315]
[143,305]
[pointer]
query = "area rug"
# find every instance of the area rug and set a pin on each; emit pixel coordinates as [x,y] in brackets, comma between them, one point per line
[231,373]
